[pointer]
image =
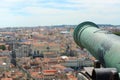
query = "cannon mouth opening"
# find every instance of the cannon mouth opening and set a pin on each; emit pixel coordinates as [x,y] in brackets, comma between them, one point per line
[80,27]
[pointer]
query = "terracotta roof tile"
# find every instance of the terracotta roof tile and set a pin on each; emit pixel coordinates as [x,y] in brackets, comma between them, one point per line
[36,75]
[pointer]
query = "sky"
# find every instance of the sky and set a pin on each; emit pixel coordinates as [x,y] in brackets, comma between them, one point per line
[19,13]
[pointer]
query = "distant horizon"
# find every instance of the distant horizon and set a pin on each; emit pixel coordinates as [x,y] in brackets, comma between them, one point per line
[52,25]
[16,13]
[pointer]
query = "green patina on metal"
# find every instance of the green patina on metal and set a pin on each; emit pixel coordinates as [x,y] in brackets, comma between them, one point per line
[80,27]
[103,45]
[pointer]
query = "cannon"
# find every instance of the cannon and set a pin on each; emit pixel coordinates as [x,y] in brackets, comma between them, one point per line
[102,44]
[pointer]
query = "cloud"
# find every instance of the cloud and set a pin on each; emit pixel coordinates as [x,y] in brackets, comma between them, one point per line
[50,12]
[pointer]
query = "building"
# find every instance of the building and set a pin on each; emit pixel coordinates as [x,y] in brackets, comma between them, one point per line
[22,51]
[76,62]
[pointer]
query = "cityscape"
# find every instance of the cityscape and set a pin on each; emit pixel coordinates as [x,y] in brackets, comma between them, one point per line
[43,53]
[59,40]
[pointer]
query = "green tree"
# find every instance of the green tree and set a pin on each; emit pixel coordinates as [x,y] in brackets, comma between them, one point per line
[2,47]
[116,33]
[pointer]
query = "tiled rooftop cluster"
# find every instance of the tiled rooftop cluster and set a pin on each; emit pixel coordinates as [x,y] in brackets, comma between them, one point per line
[42,54]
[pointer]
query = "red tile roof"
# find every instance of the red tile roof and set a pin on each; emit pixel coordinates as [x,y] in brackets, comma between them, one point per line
[36,75]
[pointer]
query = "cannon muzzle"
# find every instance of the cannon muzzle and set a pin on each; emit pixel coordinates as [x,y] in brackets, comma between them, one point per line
[103,45]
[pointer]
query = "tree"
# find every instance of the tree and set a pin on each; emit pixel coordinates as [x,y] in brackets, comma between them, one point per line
[116,33]
[2,47]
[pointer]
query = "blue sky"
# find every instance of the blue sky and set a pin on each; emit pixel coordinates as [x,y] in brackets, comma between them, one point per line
[54,12]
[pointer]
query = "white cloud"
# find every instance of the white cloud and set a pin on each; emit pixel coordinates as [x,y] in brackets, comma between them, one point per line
[50,13]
